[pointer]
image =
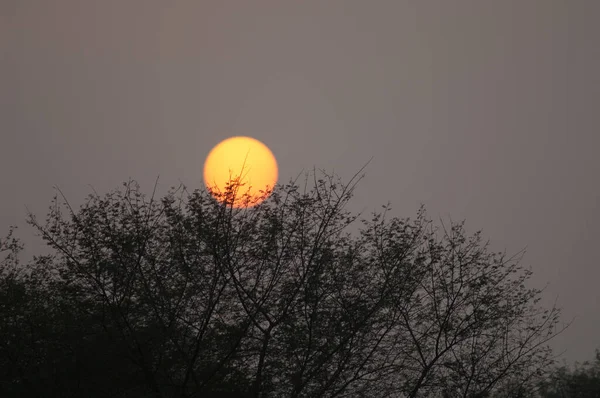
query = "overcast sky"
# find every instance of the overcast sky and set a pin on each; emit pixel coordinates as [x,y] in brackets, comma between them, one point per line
[482,110]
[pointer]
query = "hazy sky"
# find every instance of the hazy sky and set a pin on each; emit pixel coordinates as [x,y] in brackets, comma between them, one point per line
[482,110]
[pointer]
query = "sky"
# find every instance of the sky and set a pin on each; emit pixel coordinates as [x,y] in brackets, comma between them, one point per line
[481,110]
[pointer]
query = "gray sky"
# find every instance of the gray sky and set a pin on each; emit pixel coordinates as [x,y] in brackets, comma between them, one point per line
[482,110]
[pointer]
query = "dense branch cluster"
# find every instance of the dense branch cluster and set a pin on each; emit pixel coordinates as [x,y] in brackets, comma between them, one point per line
[187,296]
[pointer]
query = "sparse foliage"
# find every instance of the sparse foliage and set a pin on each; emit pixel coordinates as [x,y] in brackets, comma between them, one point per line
[187,296]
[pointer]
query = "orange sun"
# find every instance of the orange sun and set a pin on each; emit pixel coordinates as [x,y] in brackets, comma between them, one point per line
[246,163]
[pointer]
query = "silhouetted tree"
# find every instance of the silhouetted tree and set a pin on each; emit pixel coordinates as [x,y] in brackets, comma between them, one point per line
[579,382]
[188,296]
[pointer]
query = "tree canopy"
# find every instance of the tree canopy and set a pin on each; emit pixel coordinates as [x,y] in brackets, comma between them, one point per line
[581,381]
[186,296]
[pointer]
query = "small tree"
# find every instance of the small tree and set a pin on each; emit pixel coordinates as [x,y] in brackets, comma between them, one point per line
[190,296]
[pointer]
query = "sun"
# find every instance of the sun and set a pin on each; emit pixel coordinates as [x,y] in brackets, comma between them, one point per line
[246,163]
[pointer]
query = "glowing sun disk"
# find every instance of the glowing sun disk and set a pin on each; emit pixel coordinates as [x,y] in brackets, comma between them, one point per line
[244,161]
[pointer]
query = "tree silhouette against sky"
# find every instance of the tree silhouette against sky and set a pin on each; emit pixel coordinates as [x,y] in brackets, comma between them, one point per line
[186,296]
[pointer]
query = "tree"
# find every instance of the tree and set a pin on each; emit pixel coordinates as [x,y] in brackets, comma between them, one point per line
[581,381]
[188,296]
